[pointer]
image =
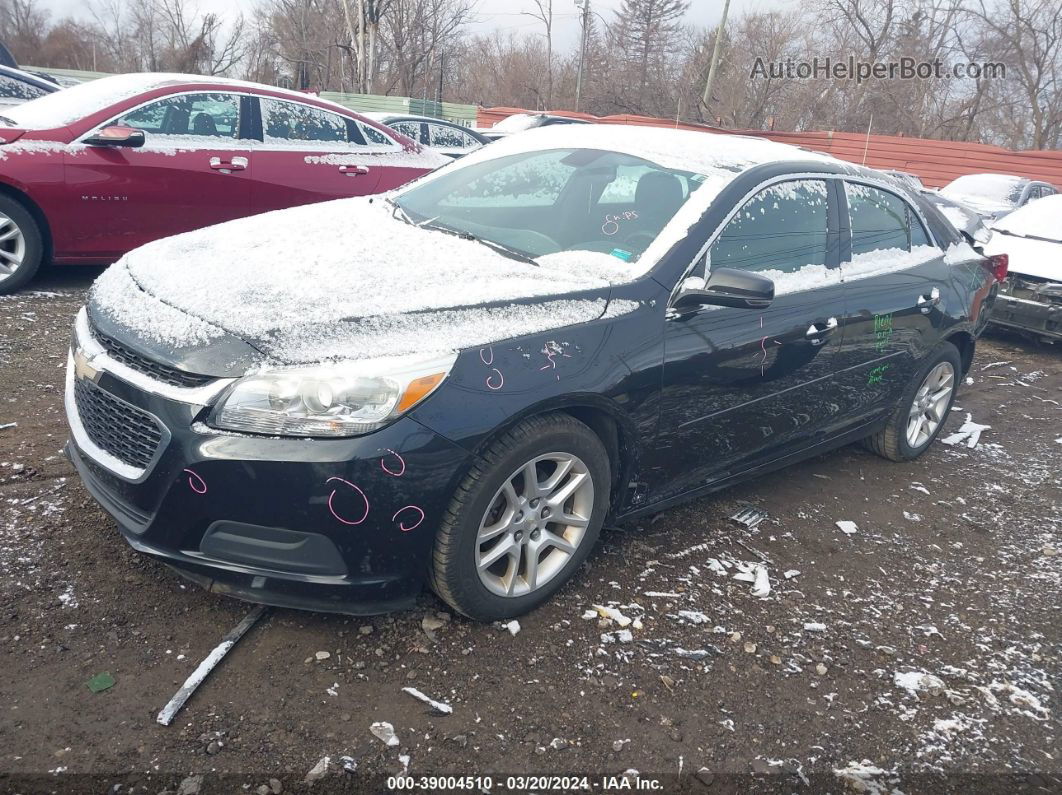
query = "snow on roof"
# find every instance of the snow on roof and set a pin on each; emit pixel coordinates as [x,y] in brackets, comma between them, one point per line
[74,103]
[1038,218]
[982,190]
[688,150]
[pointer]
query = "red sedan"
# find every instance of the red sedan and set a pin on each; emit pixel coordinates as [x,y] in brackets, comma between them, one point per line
[93,171]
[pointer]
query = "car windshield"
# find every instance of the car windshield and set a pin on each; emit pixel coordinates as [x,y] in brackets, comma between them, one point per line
[998,188]
[549,201]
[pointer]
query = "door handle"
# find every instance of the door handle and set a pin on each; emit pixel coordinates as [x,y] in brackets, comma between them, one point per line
[236,164]
[927,301]
[818,331]
[354,171]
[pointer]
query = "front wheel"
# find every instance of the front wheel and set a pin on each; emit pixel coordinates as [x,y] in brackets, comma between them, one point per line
[922,409]
[21,247]
[523,520]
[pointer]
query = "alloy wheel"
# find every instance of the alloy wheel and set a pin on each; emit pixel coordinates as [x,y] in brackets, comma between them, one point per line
[930,404]
[534,524]
[12,247]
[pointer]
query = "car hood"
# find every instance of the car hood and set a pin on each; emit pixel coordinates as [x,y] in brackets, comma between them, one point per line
[338,280]
[1028,256]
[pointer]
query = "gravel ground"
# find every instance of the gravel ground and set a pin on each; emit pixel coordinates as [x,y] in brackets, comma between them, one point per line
[917,654]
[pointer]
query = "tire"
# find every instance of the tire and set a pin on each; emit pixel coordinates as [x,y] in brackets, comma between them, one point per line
[485,501]
[893,441]
[20,237]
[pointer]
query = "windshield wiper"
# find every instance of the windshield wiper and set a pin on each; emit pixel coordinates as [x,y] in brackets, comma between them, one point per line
[501,248]
[397,208]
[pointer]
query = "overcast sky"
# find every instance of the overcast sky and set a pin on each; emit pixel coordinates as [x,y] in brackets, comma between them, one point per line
[494,14]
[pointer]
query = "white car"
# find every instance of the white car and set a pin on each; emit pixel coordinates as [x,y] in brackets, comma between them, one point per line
[1030,299]
[995,195]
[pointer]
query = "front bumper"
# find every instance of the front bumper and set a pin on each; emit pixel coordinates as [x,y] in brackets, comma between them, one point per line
[1041,319]
[343,525]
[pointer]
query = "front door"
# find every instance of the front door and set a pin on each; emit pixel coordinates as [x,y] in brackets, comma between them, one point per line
[744,386]
[193,171]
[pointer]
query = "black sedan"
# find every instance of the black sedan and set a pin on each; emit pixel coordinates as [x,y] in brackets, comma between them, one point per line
[460,382]
[445,137]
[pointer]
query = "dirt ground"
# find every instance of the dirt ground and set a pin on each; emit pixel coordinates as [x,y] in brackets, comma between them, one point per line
[918,654]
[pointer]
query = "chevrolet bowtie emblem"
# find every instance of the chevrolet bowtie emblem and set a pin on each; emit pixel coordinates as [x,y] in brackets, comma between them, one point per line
[83,368]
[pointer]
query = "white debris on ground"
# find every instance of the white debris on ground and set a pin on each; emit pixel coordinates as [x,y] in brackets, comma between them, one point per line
[384,732]
[438,706]
[847,527]
[969,433]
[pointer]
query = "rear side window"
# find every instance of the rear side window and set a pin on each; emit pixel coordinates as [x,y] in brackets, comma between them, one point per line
[781,228]
[882,220]
[285,122]
[200,115]
[17,89]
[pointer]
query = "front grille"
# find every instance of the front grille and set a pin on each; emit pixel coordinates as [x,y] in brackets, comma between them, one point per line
[160,372]
[124,431]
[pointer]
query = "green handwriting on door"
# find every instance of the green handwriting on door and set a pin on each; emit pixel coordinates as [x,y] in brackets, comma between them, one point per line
[882,331]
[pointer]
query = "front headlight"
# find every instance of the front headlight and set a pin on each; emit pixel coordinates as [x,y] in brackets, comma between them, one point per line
[343,399]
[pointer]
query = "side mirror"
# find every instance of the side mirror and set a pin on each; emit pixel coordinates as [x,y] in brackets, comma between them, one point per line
[116,135]
[727,287]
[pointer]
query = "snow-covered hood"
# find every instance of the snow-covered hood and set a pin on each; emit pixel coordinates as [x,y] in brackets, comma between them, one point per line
[1028,256]
[342,279]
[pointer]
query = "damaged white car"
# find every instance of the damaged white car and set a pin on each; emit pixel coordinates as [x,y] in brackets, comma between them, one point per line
[1030,299]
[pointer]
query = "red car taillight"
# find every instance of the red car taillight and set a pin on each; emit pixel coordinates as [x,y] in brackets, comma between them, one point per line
[999,264]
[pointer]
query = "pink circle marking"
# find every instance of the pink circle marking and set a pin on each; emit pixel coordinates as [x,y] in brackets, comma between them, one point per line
[482,359]
[332,509]
[501,380]
[415,525]
[401,461]
[193,478]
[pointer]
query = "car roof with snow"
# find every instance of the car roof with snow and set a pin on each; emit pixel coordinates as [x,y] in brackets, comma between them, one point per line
[84,99]
[709,154]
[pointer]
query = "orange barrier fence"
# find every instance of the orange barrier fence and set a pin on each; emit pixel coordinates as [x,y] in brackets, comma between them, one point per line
[936,162]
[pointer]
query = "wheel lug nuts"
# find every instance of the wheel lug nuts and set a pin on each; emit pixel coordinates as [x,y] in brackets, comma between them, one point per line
[546,512]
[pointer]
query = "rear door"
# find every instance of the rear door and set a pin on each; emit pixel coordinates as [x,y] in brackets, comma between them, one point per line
[746,386]
[308,154]
[896,282]
[192,171]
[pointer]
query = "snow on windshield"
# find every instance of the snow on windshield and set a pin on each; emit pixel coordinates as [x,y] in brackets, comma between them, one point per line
[1039,218]
[1001,189]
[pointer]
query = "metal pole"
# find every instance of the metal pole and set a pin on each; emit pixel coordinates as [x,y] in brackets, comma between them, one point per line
[713,67]
[582,55]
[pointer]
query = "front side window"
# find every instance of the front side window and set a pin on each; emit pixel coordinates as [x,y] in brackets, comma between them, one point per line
[550,201]
[199,115]
[286,122]
[443,137]
[781,228]
[880,220]
[410,129]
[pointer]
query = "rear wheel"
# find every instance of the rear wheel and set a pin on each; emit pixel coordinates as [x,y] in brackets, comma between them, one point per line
[523,520]
[20,245]
[922,409]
